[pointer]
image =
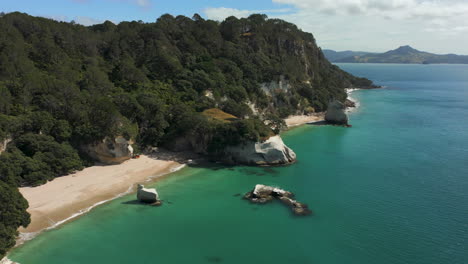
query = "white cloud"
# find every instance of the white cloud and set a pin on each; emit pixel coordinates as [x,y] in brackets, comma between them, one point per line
[143,3]
[391,8]
[220,13]
[87,21]
[373,25]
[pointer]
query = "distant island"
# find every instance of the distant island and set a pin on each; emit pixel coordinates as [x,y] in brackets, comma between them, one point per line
[403,54]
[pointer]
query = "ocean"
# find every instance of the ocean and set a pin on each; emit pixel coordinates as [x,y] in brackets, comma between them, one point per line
[392,189]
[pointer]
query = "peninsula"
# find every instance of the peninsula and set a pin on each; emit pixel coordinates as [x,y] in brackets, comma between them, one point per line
[73,96]
[403,54]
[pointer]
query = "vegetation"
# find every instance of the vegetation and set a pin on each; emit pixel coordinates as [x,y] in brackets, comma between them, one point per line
[218,114]
[63,86]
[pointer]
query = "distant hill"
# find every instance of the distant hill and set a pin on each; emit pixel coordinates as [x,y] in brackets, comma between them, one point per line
[403,54]
[333,56]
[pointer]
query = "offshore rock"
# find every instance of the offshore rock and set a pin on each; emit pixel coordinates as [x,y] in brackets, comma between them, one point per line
[147,195]
[263,194]
[336,113]
[273,151]
[111,151]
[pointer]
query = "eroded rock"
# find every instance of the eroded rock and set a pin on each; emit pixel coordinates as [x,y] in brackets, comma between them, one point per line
[147,195]
[111,151]
[263,194]
[4,143]
[336,114]
[273,151]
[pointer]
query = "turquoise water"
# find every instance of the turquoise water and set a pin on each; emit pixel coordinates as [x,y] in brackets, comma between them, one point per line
[391,189]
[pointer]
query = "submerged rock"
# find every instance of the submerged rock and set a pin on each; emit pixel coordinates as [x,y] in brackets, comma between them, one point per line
[336,114]
[147,195]
[111,151]
[264,194]
[273,151]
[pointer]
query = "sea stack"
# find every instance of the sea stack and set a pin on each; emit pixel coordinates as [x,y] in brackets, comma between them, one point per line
[336,113]
[147,195]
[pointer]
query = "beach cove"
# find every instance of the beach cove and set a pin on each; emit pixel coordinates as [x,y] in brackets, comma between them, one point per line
[69,197]
[383,190]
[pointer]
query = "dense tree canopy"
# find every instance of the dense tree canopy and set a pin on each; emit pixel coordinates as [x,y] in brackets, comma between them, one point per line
[64,85]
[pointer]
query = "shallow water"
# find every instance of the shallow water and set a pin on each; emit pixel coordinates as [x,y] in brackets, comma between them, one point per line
[391,189]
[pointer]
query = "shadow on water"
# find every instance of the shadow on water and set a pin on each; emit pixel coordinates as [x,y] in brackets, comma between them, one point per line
[214,259]
[318,123]
[136,202]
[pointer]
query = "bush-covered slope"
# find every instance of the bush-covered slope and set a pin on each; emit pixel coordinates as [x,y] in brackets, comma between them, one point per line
[63,85]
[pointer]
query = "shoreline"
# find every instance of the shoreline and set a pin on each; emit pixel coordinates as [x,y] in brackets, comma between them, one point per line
[298,120]
[68,197]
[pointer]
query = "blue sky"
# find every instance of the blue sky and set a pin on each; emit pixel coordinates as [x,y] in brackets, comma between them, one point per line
[368,25]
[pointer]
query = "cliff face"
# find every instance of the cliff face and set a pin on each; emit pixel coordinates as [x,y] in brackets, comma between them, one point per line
[4,143]
[110,151]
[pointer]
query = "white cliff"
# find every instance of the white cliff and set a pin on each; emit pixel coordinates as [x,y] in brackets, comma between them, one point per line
[4,143]
[273,151]
[111,151]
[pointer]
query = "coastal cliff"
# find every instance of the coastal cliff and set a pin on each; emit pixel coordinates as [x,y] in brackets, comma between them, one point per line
[71,95]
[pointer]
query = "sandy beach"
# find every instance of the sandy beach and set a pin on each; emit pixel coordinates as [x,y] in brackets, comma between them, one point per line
[298,120]
[69,196]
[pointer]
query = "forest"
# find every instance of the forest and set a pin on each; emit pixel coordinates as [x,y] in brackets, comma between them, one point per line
[64,85]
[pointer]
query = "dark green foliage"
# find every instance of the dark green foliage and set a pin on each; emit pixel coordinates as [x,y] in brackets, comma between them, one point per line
[12,215]
[63,86]
[35,159]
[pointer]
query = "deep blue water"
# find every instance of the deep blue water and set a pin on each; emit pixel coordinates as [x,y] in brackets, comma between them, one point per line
[392,189]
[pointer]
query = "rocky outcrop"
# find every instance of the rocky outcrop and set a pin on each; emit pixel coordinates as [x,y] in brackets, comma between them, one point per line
[147,195]
[4,143]
[111,151]
[273,151]
[7,261]
[349,103]
[336,113]
[263,194]
[270,88]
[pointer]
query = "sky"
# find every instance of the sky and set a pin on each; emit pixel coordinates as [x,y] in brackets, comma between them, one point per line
[438,26]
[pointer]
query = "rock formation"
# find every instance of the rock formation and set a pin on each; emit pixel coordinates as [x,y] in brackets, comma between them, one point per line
[349,103]
[336,113]
[273,151]
[111,151]
[4,143]
[147,195]
[7,261]
[263,194]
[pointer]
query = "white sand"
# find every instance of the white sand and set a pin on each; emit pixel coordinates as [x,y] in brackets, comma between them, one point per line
[298,120]
[69,196]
